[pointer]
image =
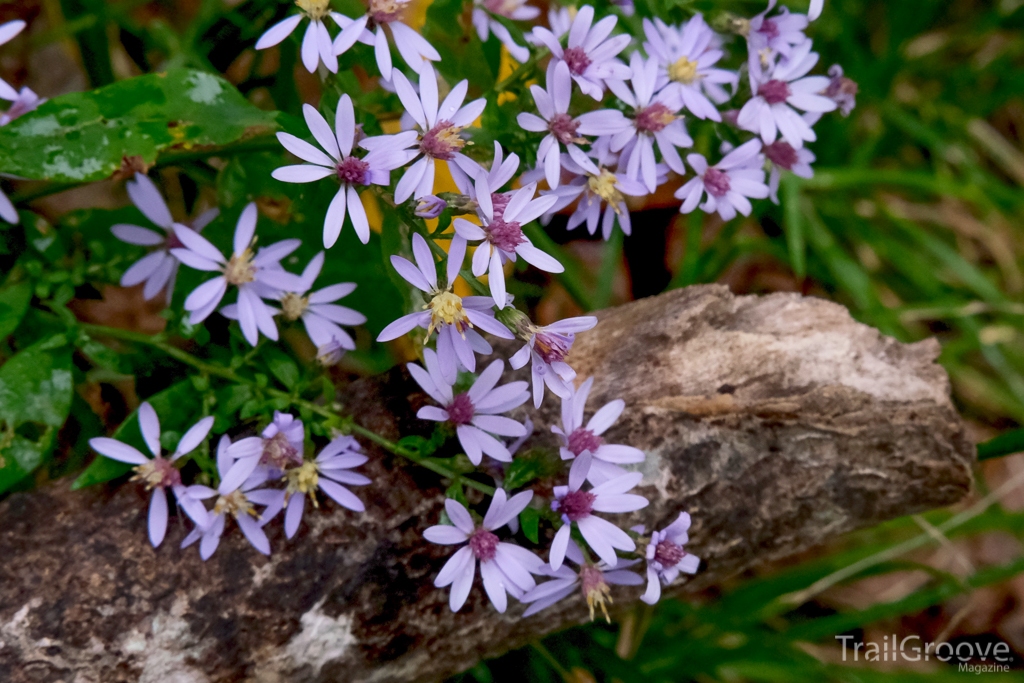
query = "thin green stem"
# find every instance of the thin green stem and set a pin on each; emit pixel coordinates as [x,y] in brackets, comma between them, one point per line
[324,411]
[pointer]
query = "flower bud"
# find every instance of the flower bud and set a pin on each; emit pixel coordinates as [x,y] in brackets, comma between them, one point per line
[430,206]
[330,353]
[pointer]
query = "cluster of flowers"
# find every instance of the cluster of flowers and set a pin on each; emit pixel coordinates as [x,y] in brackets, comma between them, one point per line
[593,157]
[248,471]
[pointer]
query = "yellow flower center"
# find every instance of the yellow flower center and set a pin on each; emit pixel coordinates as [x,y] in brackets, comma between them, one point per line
[314,9]
[683,71]
[446,307]
[603,186]
[303,479]
[240,269]
[235,503]
[293,306]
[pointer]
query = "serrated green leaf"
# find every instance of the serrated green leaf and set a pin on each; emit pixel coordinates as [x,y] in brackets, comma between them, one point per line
[36,384]
[83,136]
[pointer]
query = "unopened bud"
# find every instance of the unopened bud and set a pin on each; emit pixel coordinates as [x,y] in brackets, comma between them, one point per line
[430,206]
[330,353]
[512,318]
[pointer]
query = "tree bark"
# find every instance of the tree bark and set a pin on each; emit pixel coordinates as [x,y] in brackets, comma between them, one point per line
[778,422]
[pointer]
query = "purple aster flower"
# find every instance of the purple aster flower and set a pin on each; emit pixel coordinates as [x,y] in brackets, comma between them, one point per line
[465,172]
[316,44]
[578,438]
[25,102]
[563,129]
[597,188]
[578,507]
[516,10]
[353,172]
[475,414]
[430,206]
[159,473]
[686,58]
[504,567]
[327,473]
[666,557]
[547,348]
[503,215]
[769,37]
[159,268]
[590,54]
[238,502]
[740,174]
[244,270]
[653,121]
[280,446]
[592,580]
[320,316]
[783,157]
[451,315]
[780,89]
[439,129]
[369,30]
[7,32]
[841,90]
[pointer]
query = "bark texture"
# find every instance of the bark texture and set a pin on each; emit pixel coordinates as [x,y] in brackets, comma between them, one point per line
[778,422]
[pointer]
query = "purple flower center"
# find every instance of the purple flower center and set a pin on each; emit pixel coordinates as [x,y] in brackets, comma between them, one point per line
[595,589]
[442,141]
[668,553]
[654,118]
[774,91]
[781,153]
[461,410]
[553,347]
[383,11]
[278,452]
[352,170]
[563,127]
[505,236]
[577,505]
[716,182]
[173,242]
[769,28]
[577,60]
[584,440]
[501,7]
[500,200]
[484,544]
[158,472]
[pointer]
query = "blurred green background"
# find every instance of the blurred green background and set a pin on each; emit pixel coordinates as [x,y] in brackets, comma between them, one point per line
[913,221]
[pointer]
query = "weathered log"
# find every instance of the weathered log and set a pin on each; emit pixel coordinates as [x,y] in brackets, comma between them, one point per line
[778,422]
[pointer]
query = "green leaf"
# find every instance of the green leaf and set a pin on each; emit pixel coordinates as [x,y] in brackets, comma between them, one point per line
[21,457]
[529,521]
[83,136]
[532,464]
[36,384]
[462,54]
[14,300]
[1004,444]
[281,366]
[177,407]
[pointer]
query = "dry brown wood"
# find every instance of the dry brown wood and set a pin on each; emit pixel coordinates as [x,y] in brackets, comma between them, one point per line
[778,422]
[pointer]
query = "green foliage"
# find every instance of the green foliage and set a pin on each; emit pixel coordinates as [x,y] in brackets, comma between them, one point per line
[180,110]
